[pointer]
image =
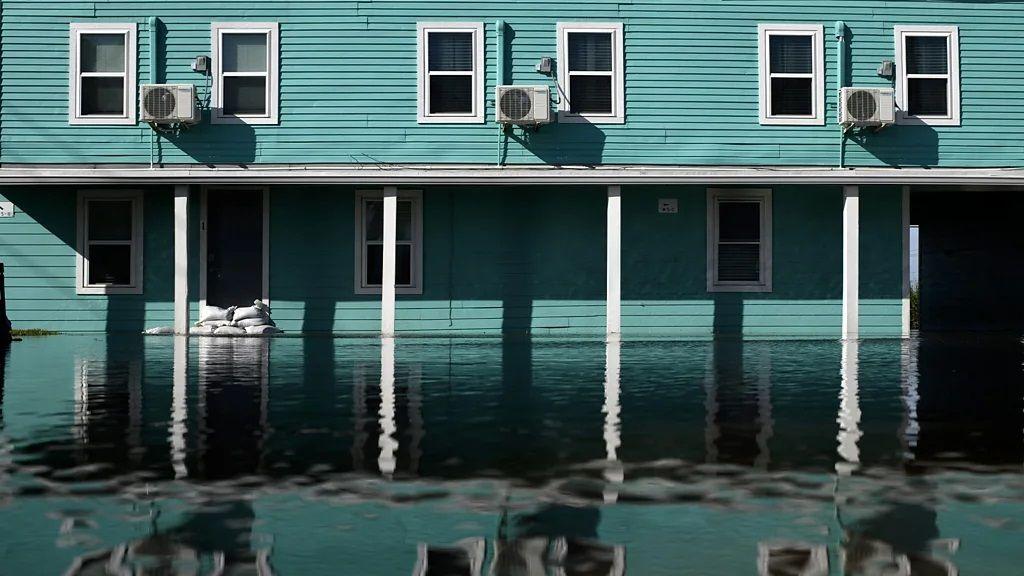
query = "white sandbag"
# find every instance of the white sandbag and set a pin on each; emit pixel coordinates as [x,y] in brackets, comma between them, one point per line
[263,330]
[214,313]
[229,331]
[257,303]
[160,330]
[260,321]
[215,323]
[201,330]
[249,312]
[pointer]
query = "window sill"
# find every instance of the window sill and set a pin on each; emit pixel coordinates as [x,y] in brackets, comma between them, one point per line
[906,120]
[400,290]
[437,119]
[105,290]
[101,121]
[740,288]
[792,121]
[249,120]
[570,118]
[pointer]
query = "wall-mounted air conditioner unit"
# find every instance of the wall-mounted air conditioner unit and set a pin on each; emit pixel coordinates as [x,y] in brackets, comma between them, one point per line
[523,105]
[169,104]
[867,107]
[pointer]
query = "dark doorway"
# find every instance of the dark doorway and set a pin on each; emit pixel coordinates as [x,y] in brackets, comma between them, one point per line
[969,250]
[234,247]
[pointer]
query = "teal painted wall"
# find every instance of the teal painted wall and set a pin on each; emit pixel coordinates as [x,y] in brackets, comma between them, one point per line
[496,261]
[348,84]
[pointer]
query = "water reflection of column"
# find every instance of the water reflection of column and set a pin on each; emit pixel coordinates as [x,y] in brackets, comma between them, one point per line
[910,427]
[764,408]
[849,410]
[388,443]
[135,411]
[612,419]
[80,430]
[179,406]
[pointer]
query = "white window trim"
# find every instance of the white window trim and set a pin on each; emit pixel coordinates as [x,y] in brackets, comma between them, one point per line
[129,30]
[416,196]
[715,197]
[952,35]
[618,113]
[82,252]
[217,31]
[817,75]
[423,115]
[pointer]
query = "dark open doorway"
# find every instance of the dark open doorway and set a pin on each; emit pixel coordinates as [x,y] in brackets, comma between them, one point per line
[235,229]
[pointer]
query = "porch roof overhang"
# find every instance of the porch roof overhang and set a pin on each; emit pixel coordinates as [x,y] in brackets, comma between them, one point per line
[423,175]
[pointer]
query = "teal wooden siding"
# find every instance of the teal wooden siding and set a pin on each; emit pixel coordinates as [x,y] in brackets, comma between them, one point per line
[496,261]
[348,84]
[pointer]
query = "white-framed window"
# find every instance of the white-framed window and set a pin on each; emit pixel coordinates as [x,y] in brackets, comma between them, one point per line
[450,72]
[109,259]
[791,74]
[102,86]
[245,72]
[739,240]
[591,72]
[370,242]
[928,75]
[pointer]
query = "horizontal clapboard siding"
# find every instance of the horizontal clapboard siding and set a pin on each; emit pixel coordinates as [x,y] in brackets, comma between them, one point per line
[348,84]
[496,261]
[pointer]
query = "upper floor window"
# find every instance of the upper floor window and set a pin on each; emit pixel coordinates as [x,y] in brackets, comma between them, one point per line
[102,84]
[370,245]
[591,76]
[109,249]
[792,74]
[245,72]
[450,72]
[739,240]
[928,74]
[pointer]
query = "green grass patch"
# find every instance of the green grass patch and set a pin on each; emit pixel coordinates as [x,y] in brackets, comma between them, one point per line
[32,332]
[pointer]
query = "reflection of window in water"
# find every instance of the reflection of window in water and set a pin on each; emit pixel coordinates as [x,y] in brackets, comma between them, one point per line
[464,558]
[108,403]
[797,559]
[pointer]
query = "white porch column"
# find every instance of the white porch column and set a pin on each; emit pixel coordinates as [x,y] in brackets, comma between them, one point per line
[614,296]
[906,261]
[181,259]
[387,288]
[851,261]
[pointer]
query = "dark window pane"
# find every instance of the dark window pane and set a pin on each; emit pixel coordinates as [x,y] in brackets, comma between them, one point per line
[739,221]
[450,51]
[739,263]
[790,54]
[110,265]
[374,264]
[792,97]
[244,53]
[590,51]
[927,97]
[245,95]
[451,94]
[590,94]
[374,219]
[102,53]
[103,96]
[403,265]
[404,232]
[927,55]
[110,220]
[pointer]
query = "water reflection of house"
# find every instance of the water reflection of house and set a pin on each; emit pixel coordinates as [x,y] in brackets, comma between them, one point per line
[792,559]
[214,542]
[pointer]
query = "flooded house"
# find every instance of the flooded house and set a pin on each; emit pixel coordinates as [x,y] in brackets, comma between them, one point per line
[637,168]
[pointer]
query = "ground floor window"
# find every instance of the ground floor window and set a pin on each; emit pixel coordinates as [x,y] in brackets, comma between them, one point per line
[739,240]
[109,242]
[370,242]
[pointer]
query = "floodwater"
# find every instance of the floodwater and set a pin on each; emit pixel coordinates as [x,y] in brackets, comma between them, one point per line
[306,456]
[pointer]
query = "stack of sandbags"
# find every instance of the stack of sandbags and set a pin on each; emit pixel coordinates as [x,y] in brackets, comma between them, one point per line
[236,321]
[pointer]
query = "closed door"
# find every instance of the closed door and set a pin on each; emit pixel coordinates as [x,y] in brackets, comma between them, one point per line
[234,247]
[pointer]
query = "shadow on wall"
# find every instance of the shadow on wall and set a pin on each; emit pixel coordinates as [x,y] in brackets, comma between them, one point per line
[559,143]
[905,145]
[728,315]
[209,144]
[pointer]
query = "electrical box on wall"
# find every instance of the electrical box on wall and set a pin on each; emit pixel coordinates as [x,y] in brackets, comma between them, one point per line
[6,209]
[668,205]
